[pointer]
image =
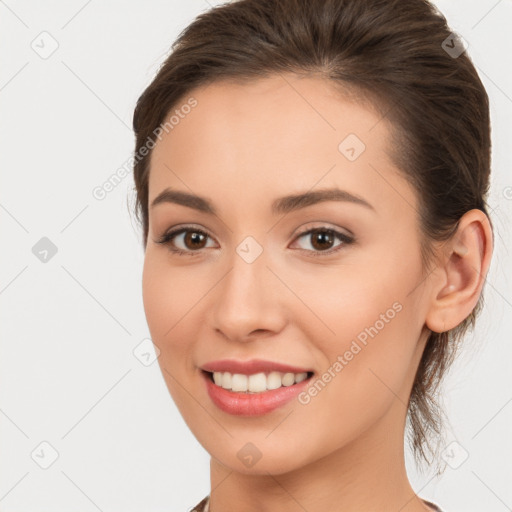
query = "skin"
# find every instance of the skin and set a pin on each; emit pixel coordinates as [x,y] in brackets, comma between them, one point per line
[243,146]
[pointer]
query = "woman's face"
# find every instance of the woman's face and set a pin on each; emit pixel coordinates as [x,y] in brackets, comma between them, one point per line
[347,305]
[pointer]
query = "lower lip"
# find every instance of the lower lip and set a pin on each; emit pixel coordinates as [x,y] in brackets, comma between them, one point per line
[251,404]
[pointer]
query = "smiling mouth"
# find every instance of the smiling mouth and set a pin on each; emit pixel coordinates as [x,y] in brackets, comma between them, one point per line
[256,383]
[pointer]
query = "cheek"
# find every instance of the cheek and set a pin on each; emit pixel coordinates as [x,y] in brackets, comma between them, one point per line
[371,333]
[375,325]
[155,300]
[362,381]
[166,301]
[167,294]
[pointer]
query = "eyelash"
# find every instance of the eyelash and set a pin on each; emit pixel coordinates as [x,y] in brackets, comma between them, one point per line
[167,238]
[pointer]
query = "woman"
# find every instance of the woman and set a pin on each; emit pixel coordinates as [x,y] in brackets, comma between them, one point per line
[275,128]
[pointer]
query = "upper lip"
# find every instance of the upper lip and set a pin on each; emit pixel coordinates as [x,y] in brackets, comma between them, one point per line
[251,366]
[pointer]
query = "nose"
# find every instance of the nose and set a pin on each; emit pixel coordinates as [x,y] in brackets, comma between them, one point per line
[248,302]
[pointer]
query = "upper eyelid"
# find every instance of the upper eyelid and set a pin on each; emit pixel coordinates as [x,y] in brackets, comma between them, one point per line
[323,225]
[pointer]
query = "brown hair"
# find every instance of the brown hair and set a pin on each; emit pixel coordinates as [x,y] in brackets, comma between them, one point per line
[389,51]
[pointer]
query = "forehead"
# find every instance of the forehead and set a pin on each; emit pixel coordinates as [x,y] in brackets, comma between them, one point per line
[274,136]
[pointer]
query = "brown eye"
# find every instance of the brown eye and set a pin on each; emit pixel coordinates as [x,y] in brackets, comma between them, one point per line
[322,240]
[192,241]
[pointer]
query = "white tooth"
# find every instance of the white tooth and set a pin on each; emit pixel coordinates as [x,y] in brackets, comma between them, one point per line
[257,382]
[226,380]
[239,382]
[288,379]
[274,380]
[299,377]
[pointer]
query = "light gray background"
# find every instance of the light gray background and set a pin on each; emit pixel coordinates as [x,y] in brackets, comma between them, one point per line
[68,373]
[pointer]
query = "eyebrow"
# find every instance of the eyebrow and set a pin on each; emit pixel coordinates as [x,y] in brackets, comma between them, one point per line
[281,205]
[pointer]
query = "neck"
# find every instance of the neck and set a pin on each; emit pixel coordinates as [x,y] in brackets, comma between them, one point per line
[367,475]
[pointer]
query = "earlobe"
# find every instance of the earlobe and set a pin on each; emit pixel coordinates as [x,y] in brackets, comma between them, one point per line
[465,263]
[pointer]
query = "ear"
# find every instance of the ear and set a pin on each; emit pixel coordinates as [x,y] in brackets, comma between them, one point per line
[464,264]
